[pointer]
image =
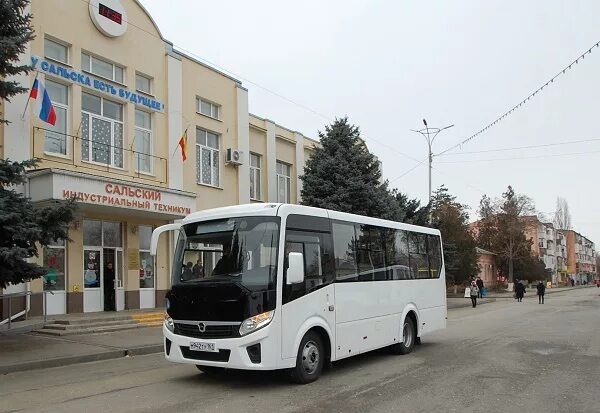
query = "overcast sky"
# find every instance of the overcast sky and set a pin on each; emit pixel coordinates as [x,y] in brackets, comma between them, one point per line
[388,64]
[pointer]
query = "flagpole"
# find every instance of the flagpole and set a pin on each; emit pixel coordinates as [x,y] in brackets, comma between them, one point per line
[29,97]
[184,134]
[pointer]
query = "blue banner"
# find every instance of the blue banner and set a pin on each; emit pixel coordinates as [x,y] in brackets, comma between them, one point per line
[100,85]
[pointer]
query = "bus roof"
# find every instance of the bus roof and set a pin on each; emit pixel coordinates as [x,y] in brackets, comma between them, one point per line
[274,209]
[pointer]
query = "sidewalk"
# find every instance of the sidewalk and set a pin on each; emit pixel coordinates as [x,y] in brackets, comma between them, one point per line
[30,351]
[509,294]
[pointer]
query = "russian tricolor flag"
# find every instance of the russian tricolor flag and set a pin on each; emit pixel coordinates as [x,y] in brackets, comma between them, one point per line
[47,112]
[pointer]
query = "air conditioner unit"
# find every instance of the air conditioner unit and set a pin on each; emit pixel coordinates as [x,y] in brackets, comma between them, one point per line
[234,156]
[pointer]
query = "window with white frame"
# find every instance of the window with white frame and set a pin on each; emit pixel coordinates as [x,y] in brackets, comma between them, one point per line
[255,176]
[207,157]
[143,83]
[54,264]
[143,141]
[146,260]
[101,130]
[101,67]
[208,108]
[56,51]
[284,182]
[55,138]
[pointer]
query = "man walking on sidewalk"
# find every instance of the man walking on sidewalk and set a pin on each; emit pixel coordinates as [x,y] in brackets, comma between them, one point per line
[541,290]
[474,293]
[479,283]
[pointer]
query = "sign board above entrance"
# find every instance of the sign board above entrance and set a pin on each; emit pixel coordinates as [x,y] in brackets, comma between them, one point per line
[104,86]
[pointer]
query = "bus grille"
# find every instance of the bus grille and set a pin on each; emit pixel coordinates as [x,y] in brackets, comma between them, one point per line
[212,331]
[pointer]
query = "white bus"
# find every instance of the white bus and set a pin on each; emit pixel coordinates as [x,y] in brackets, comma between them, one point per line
[278,286]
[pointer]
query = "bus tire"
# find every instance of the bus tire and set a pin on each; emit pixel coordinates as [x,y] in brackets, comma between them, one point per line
[309,360]
[409,338]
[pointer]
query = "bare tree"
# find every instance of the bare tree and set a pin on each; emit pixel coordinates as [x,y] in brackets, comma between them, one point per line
[562,216]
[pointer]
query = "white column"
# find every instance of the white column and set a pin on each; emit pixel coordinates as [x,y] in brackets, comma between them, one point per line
[299,162]
[175,116]
[18,134]
[271,161]
[243,144]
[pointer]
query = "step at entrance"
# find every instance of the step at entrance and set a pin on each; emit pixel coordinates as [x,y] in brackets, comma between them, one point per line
[102,323]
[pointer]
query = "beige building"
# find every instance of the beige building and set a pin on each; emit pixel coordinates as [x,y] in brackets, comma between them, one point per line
[123,97]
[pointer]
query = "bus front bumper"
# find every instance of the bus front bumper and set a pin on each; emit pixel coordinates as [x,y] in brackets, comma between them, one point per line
[231,353]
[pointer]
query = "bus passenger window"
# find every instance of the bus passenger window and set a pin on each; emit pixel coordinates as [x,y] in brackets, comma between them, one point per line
[419,262]
[344,251]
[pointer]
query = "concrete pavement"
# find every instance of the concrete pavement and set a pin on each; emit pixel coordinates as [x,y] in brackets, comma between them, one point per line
[501,357]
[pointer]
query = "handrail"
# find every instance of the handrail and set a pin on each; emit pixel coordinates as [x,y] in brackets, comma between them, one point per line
[27,293]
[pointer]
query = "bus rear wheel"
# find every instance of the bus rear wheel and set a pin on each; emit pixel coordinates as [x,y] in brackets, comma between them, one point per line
[309,360]
[409,338]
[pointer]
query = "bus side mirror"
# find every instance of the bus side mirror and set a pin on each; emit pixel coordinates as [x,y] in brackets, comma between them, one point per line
[156,234]
[295,271]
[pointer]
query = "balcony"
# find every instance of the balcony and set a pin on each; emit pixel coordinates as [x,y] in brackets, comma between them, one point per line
[75,153]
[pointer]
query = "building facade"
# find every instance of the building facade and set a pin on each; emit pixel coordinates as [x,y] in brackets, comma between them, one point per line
[549,245]
[581,263]
[124,97]
[487,268]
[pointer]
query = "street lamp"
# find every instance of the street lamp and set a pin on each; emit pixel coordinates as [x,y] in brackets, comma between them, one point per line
[430,134]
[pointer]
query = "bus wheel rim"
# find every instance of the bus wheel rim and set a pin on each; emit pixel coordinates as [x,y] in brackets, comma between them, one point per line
[407,335]
[310,357]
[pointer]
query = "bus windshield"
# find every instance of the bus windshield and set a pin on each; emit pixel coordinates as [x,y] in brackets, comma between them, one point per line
[237,250]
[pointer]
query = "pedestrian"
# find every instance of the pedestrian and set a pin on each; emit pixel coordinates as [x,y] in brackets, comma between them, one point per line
[479,283]
[541,290]
[474,293]
[572,282]
[519,291]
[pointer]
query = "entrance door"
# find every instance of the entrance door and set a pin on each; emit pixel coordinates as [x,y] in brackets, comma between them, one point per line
[93,296]
[112,279]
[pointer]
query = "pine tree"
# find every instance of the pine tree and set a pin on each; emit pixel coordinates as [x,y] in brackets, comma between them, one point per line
[344,176]
[23,225]
[15,32]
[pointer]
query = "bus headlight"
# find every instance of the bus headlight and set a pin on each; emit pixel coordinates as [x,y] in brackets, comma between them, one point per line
[256,322]
[169,323]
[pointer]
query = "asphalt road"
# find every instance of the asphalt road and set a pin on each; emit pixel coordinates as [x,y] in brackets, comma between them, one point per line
[501,357]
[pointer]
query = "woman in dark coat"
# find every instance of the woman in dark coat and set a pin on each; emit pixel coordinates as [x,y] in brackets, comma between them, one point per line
[519,291]
[541,290]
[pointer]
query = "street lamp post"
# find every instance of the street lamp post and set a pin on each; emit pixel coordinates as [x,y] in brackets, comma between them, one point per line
[430,134]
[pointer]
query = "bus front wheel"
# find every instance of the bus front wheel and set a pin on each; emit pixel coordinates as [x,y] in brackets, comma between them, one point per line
[409,338]
[310,358]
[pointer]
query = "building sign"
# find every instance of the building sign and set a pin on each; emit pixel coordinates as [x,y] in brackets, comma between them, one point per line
[104,86]
[109,17]
[128,197]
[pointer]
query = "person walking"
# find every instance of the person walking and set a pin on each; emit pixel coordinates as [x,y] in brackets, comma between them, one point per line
[541,290]
[479,283]
[474,293]
[519,291]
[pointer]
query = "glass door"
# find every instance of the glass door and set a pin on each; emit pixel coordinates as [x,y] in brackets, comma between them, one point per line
[93,296]
[119,290]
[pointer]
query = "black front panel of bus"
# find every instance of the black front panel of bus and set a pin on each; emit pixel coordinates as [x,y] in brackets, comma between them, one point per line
[217,302]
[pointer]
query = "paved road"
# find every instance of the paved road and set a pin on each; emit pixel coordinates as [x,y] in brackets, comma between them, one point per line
[501,357]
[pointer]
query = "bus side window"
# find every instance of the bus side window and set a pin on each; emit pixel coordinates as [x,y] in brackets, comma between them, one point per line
[419,261]
[435,255]
[344,248]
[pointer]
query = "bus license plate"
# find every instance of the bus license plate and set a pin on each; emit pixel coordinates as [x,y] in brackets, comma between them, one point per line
[203,346]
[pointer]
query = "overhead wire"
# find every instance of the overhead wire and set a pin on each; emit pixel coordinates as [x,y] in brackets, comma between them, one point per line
[522,102]
[258,85]
[557,155]
[544,145]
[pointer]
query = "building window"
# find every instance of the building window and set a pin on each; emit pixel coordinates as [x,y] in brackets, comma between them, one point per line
[284,182]
[54,264]
[143,141]
[208,108]
[143,83]
[101,67]
[101,130]
[146,260]
[56,51]
[207,157]
[254,176]
[55,140]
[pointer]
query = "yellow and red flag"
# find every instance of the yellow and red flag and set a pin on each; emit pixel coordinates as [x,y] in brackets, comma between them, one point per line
[183,144]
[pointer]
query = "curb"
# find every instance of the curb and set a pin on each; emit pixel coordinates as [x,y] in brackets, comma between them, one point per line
[65,361]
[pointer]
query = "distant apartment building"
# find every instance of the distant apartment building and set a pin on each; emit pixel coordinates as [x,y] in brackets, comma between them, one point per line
[549,244]
[581,261]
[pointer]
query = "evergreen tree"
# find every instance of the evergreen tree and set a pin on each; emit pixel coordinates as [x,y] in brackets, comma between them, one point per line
[411,210]
[343,175]
[15,32]
[23,225]
[452,219]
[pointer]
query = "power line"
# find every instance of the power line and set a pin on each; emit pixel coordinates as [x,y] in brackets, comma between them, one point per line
[523,157]
[409,170]
[521,103]
[258,85]
[523,147]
